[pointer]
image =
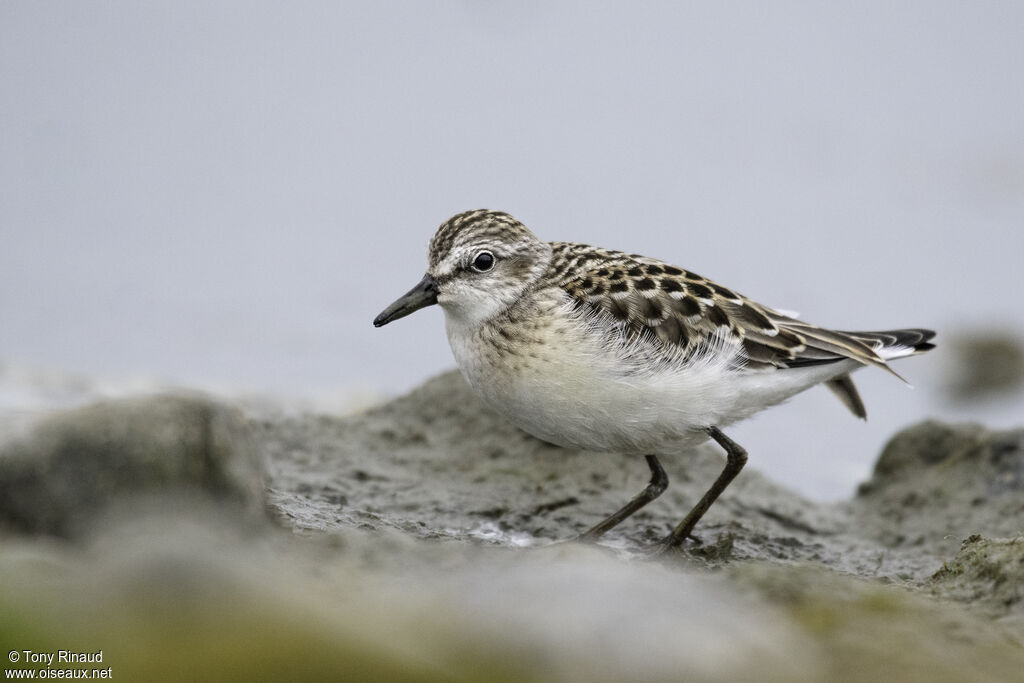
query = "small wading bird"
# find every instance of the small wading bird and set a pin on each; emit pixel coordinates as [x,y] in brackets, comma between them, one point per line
[606,351]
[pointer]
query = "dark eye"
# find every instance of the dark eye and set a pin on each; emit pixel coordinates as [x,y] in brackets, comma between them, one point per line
[483,262]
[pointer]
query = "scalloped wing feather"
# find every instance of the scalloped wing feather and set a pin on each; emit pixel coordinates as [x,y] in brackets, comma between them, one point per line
[684,309]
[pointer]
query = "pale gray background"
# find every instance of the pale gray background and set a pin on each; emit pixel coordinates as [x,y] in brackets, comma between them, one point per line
[225,194]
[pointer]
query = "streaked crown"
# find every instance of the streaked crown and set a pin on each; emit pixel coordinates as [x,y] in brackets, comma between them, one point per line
[478,228]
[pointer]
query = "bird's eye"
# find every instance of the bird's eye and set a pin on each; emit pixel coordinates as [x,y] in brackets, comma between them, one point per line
[483,262]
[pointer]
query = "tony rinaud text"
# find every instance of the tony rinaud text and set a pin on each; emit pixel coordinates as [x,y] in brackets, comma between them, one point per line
[63,657]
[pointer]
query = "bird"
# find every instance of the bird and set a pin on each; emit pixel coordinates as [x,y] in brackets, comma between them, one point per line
[597,349]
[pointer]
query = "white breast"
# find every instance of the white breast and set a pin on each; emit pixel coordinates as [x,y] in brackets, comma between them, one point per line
[571,383]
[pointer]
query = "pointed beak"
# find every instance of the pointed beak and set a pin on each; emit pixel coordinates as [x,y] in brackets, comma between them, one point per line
[423,294]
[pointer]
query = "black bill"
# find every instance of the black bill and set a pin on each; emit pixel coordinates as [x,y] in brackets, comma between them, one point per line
[423,294]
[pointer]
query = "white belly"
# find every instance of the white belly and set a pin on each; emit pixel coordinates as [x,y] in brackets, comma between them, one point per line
[588,390]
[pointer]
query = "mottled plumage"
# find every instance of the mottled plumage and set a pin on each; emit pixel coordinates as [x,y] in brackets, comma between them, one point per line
[604,350]
[687,310]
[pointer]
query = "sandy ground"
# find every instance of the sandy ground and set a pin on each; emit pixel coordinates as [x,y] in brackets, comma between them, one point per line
[426,539]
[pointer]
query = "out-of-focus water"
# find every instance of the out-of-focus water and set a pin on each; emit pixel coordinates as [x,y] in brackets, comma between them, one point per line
[225,196]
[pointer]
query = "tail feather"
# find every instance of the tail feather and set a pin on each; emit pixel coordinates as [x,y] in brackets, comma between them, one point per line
[844,388]
[886,346]
[896,343]
[824,345]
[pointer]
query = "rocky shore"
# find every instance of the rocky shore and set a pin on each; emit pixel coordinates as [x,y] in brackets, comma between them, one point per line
[423,540]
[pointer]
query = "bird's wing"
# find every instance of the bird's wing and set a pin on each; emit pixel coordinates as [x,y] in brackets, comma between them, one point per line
[684,309]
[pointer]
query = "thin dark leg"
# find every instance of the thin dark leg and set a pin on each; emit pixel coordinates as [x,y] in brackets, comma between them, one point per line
[736,458]
[657,486]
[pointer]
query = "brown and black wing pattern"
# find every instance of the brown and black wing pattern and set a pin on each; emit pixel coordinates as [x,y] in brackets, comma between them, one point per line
[684,309]
[677,306]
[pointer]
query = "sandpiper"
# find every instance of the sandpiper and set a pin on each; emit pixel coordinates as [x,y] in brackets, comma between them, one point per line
[601,350]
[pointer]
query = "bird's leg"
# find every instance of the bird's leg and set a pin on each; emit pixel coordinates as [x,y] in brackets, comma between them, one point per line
[657,486]
[736,458]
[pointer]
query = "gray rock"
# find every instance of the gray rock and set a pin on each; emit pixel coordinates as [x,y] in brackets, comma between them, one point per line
[74,465]
[436,463]
[351,605]
[425,549]
[988,574]
[935,484]
[984,365]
